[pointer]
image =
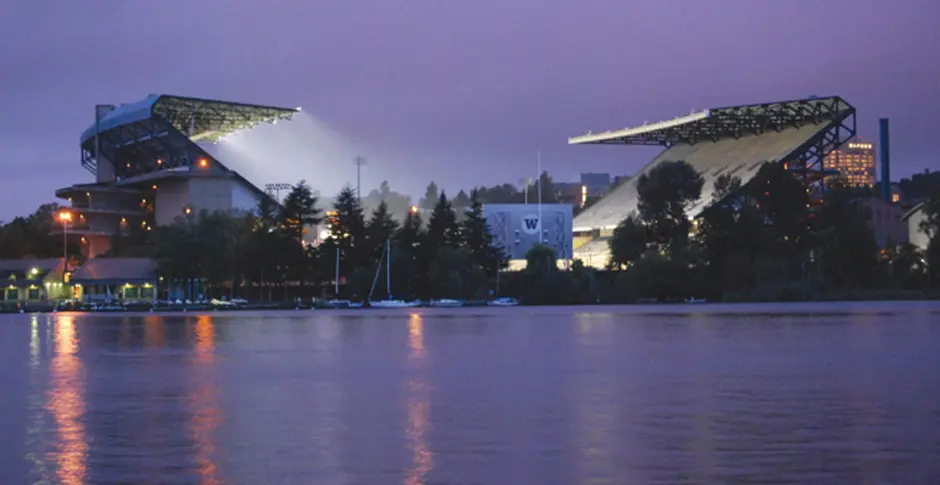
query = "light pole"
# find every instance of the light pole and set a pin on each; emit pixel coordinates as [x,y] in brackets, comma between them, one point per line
[277,188]
[65,217]
[359,162]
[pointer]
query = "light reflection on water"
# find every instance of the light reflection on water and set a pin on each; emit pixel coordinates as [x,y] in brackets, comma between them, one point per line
[418,403]
[66,404]
[205,414]
[564,396]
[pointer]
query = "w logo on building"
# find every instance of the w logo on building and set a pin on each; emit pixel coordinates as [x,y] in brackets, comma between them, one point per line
[530,224]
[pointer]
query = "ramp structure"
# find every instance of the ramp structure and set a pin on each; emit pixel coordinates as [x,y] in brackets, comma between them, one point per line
[734,140]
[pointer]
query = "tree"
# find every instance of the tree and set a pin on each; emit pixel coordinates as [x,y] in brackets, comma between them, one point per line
[784,203]
[348,230]
[13,242]
[461,202]
[476,237]
[499,194]
[380,227]
[628,243]
[398,204]
[665,192]
[430,198]
[442,227]
[408,269]
[847,248]
[725,185]
[299,210]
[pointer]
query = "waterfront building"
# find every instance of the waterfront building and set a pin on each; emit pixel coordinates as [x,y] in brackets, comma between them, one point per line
[116,279]
[32,280]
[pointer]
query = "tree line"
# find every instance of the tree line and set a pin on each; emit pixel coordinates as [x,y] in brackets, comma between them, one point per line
[765,240]
[263,255]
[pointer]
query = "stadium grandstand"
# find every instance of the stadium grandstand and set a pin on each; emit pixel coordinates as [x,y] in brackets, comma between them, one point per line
[150,166]
[734,141]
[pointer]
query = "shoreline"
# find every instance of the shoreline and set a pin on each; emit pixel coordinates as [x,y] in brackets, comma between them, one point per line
[750,309]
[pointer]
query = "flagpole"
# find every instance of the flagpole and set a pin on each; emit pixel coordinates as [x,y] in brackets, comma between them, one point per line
[538,155]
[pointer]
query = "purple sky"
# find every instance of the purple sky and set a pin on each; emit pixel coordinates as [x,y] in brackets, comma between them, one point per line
[460,92]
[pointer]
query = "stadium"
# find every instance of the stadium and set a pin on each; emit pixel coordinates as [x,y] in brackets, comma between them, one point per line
[734,141]
[150,167]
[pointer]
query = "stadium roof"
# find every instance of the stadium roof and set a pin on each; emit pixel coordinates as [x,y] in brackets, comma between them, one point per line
[202,120]
[730,122]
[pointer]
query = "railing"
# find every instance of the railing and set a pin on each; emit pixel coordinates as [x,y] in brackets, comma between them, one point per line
[129,207]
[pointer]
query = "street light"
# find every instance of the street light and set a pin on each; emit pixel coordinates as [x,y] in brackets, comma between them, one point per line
[65,217]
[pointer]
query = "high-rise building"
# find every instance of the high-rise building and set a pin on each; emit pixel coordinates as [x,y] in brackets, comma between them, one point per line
[855,162]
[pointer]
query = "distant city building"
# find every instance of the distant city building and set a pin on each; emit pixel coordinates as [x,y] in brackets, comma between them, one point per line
[596,184]
[568,192]
[897,195]
[855,162]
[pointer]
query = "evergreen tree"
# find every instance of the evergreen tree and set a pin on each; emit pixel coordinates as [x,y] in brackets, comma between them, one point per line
[348,229]
[430,198]
[381,227]
[299,210]
[409,268]
[461,202]
[442,227]
[477,238]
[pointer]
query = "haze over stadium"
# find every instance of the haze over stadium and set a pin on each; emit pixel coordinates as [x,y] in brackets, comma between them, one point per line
[459,93]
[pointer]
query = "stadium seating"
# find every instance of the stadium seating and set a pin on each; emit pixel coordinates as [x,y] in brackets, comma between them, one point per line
[739,157]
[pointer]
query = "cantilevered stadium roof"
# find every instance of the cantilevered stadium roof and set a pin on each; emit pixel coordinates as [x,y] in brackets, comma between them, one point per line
[726,141]
[203,120]
[719,123]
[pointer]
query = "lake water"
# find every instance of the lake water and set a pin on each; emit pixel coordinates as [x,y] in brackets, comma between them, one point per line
[808,394]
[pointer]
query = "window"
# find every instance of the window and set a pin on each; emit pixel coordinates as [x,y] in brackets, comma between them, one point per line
[131,292]
[13,294]
[32,294]
[146,293]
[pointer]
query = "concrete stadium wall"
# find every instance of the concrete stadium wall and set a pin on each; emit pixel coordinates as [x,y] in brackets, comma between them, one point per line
[516,227]
[171,197]
[210,194]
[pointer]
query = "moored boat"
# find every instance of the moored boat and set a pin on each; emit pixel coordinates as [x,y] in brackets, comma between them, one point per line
[394,304]
[504,301]
[447,303]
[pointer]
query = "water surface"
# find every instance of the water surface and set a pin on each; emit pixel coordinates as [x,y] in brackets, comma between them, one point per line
[825,393]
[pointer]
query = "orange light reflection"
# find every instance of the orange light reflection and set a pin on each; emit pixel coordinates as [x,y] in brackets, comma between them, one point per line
[66,403]
[419,404]
[206,415]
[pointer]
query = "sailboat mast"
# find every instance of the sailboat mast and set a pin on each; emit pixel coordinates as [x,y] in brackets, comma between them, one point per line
[388,268]
[336,286]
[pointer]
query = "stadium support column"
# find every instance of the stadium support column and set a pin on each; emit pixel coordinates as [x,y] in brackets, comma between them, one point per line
[885,159]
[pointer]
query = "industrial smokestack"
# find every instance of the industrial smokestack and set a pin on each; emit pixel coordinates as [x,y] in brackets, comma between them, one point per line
[885,158]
